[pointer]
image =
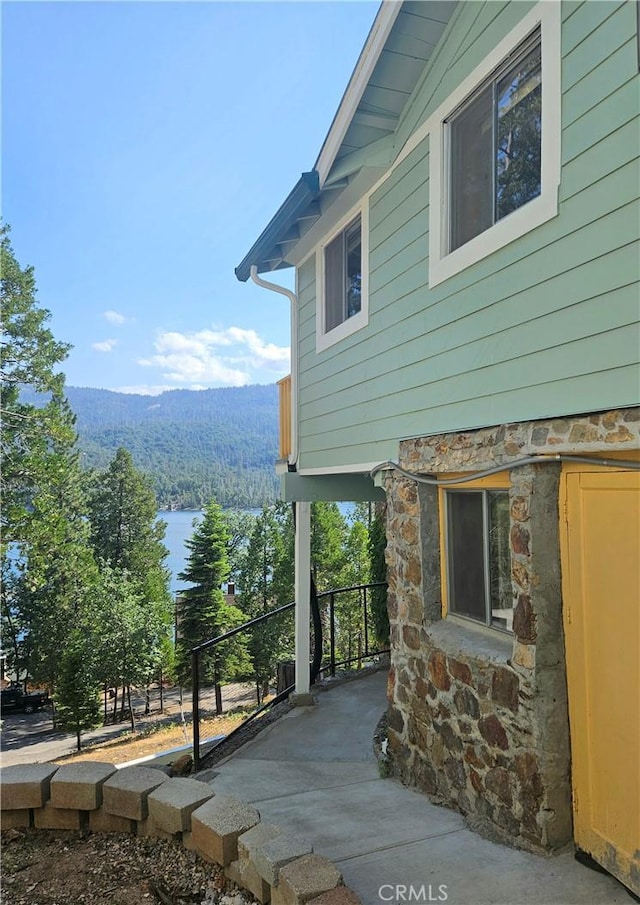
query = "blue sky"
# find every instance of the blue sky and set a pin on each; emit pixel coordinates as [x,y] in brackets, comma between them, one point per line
[145,146]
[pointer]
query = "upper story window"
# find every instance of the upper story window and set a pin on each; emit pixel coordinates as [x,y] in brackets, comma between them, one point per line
[343,275]
[495,146]
[494,150]
[341,265]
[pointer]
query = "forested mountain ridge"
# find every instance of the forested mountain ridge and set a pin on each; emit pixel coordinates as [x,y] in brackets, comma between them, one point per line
[195,444]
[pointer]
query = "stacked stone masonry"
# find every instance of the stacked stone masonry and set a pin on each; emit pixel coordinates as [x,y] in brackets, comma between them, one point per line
[262,858]
[478,719]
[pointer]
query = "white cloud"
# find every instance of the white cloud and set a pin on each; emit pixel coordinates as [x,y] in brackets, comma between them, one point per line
[231,357]
[106,345]
[113,317]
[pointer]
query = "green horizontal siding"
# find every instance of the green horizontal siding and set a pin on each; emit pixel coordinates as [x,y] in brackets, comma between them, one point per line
[546,326]
[611,25]
[503,406]
[601,121]
[512,356]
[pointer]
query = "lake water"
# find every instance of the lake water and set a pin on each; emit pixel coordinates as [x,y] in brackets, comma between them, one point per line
[180,529]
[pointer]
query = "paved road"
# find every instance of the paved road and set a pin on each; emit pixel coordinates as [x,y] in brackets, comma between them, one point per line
[31,738]
[28,738]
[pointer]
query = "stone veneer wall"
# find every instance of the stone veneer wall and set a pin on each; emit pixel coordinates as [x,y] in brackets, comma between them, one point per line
[478,719]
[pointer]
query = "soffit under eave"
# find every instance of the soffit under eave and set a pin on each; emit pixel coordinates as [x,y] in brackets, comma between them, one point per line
[336,206]
[367,146]
[416,32]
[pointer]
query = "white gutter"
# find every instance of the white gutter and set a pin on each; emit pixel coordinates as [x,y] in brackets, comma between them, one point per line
[274,287]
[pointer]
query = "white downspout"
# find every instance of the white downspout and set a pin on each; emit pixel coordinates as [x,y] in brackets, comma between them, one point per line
[303,516]
[274,287]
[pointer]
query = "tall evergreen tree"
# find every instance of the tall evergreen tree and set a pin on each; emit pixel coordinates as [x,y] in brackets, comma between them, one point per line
[130,632]
[30,356]
[46,561]
[350,613]
[127,540]
[328,539]
[125,531]
[267,582]
[78,702]
[240,525]
[202,611]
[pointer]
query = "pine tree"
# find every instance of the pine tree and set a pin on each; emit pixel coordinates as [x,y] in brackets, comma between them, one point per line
[127,540]
[46,560]
[266,582]
[77,695]
[125,532]
[240,525]
[129,630]
[202,611]
[30,356]
[328,539]
[351,635]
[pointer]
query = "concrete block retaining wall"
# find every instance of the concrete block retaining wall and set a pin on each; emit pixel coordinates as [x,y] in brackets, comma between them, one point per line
[264,859]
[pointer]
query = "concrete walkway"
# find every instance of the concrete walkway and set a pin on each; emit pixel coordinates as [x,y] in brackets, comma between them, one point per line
[313,772]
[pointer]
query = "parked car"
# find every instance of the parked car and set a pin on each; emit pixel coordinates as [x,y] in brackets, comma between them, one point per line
[15,699]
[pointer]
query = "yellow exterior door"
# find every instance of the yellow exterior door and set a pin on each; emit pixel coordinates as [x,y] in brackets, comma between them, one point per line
[601,590]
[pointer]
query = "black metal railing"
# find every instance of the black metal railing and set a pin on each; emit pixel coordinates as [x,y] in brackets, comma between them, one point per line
[323,660]
[196,653]
[358,633]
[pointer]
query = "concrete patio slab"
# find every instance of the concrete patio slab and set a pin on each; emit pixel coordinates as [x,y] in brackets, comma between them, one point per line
[262,779]
[347,820]
[474,871]
[313,773]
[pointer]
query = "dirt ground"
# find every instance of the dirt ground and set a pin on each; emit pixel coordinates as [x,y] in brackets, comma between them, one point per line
[66,868]
[41,867]
[162,731]
[63,868]
[152,741]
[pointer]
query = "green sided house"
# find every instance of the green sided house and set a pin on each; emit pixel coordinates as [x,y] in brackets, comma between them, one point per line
[465,347]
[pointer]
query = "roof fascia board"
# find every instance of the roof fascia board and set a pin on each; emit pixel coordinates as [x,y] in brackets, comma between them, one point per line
[346,200]
[303,193]
[376,40]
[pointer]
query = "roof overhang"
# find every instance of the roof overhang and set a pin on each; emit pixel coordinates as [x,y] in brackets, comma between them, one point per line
[360,144]
[374,45]
[267,252]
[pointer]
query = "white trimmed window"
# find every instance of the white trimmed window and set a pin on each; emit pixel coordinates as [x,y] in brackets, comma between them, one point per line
[495,146]
[342,282]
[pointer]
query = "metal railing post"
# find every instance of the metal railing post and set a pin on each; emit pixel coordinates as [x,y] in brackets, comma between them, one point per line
[332,634]
[317,634]
[366,625]
[364,645]
[195,708]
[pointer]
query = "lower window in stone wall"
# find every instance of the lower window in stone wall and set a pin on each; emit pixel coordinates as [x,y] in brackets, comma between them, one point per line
[478,556]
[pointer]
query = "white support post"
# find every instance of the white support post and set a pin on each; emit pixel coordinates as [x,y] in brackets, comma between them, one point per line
[303,602]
